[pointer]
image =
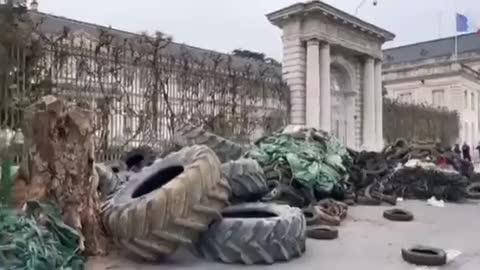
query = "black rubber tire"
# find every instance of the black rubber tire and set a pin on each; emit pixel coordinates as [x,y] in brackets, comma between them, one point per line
[153,224]
[226,150]
[422,255]
[473,191]
[282,193]
[138,158]
[475,178]
[110,177]
[398,215]
[322,232]
[246,178]
[390,199]
[363,200]
[240,238]
[311,214]
[116,165]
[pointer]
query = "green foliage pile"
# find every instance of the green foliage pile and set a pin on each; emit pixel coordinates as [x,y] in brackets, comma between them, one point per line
[306,157]
[414,122]
[37,240]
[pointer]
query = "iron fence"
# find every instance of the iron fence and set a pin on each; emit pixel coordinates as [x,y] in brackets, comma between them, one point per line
[139,90]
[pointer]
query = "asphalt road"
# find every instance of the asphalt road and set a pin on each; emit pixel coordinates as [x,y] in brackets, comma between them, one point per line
[366,242]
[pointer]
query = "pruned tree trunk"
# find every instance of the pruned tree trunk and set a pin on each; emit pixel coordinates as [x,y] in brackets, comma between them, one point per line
[60,167]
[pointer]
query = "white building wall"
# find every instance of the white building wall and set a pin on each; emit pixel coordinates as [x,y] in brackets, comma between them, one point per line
[458,92]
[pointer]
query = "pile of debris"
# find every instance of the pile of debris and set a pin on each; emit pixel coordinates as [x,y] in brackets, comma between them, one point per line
[309,160]
[408,171]
[190,190]
[294,168]
[183,200]
[219,198]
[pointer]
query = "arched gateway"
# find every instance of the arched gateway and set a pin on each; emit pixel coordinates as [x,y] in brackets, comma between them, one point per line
[332,64]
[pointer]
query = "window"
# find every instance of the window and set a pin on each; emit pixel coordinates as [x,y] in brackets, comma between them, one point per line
[472,100]
[438,98]
[465,99]
[405,97]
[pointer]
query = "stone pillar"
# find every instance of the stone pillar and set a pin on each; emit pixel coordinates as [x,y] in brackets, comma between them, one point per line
[378,106]
[369,105]
[350,120]
[312,98]
[294,75]
[325,90]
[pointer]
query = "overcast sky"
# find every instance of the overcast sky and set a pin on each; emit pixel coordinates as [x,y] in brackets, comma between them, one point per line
[225,25]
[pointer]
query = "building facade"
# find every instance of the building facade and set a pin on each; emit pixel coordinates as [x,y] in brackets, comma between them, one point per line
[432,73]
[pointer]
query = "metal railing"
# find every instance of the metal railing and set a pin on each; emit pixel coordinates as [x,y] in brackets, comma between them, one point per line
[139,97]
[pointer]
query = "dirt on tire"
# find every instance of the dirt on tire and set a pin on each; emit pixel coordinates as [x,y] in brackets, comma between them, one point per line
[151,218]
[246,178]
[255,233]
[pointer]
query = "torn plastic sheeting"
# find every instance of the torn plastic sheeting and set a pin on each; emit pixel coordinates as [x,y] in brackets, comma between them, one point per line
[306,155]
[37,240]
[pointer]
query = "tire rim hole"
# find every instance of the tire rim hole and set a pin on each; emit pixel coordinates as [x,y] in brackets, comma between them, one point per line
[424,251]
[134,160]
[157,180]
[249,214]
[308,214]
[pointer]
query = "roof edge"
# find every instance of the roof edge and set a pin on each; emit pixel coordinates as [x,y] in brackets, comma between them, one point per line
[429,41]
[139,34]
[277,16]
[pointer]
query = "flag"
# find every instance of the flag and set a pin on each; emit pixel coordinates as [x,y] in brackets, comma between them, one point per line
[462,23]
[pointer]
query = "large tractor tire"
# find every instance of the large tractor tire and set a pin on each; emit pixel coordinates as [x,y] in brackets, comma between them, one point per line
[226,150]
[167,204]
[255,233]
[246,178]
[111,177]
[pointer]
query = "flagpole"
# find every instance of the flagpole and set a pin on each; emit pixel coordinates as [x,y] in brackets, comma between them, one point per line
[456,46]
[456,33]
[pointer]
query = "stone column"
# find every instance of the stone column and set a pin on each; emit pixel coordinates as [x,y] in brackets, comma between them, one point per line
[294,75]
[378,105]
[312,99]
[350,113]
[325,90]
[369,105]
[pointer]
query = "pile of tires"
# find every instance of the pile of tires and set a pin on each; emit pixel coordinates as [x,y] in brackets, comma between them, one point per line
[226,150]
[168,204]
[184,200]
[256,233]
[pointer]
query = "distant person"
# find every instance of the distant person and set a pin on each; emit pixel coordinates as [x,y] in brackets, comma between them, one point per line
[466,152]
[478,148]
[456,149]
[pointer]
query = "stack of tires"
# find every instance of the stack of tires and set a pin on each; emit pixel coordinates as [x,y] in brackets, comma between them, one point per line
[185,200]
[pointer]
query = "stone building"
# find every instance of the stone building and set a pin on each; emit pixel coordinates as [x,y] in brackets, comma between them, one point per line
[431,73]
[332,63]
